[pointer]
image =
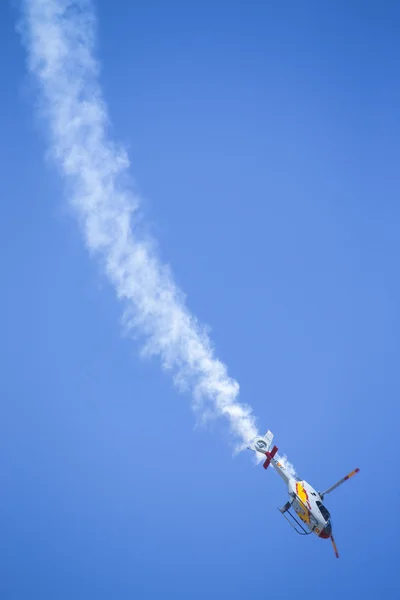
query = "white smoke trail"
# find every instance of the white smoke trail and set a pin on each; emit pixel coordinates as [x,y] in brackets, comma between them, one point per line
[59,36]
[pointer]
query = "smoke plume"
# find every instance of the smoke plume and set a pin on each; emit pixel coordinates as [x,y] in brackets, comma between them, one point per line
[60,39]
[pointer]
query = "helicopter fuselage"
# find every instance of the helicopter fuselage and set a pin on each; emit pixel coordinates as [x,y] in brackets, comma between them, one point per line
[307,503]
[313,516]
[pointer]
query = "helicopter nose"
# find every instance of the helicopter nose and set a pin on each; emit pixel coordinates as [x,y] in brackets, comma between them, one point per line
[327,531]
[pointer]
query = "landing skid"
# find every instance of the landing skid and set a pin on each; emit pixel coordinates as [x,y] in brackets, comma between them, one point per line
[295,523]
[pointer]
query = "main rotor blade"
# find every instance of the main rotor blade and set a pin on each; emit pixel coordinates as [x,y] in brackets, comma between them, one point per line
[333,487]
[334,546]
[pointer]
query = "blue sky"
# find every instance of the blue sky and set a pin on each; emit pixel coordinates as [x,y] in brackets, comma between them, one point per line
[264,140]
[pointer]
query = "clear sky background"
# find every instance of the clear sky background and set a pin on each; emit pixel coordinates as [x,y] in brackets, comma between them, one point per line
[264,137]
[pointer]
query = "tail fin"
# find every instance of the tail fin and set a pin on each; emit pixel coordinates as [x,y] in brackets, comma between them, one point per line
[268,437]
[263,444]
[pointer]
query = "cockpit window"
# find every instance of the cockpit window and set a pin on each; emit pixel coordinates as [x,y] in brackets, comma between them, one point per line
[327,530]
[324,511]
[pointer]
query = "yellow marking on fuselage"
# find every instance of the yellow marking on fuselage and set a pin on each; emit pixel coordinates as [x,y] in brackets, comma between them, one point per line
[305,507]
[302,494]
[305,517]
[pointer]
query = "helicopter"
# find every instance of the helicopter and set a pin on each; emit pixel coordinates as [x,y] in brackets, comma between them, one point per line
[313,516]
